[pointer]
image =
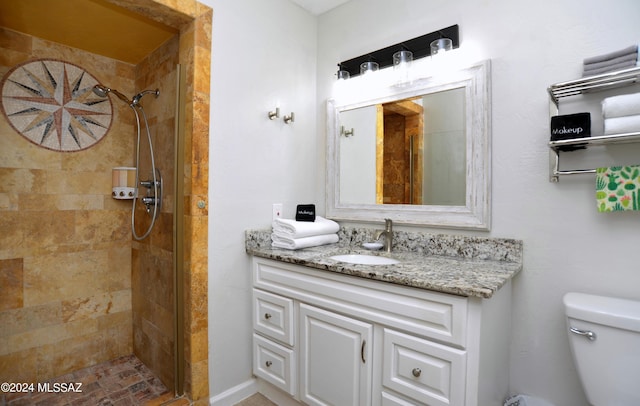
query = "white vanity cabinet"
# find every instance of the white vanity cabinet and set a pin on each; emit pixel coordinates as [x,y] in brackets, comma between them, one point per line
[329,339]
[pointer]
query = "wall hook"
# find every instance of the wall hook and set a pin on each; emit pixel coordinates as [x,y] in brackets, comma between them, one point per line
[274,114]
[346,133]
[289,119]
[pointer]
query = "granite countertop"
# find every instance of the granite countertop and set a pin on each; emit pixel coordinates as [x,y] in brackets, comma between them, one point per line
[459,265]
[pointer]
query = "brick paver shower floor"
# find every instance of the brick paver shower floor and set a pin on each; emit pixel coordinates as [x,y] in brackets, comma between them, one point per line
[123,381]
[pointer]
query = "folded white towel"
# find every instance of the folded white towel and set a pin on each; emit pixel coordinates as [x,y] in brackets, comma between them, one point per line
[620,106]
[633,57]
[278,241]
[298,229]
[611,68]
[622,125]
[612,55]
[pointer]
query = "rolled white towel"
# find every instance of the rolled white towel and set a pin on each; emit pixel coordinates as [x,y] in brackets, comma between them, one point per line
[278,241]
[620,106]
[298,229]
[622,125]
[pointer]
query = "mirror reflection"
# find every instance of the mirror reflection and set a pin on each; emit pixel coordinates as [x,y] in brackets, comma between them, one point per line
[417,154]
[408,151]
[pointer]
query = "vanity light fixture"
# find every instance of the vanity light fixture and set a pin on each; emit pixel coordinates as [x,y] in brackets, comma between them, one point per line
[274,114]
[368,67]
[342,74]
[401,66]
[419,47]
[402,58]
[289,119]
[441,45]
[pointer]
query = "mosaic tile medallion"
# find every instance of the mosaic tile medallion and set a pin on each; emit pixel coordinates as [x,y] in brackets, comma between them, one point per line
[51,103]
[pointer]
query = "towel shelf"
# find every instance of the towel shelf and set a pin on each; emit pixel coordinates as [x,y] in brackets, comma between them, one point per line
[625,77]
[594,83]
[598,140]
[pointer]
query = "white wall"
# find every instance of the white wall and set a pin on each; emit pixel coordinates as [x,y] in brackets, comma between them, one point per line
[266,52]
[263,55]
[569,246]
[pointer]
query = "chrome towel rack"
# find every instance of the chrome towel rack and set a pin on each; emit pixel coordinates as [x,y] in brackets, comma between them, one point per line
[600,82]
[605,81]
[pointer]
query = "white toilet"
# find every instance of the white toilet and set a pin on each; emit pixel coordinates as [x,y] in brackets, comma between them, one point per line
[604,334]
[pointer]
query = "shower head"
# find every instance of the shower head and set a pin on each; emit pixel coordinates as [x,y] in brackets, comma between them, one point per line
[136,98]
[103,91]
[100,90]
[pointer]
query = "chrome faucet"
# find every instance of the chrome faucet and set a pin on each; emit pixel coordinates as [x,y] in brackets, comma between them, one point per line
[388,235]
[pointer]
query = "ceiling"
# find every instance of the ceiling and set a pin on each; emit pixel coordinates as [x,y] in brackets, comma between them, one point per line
[100,27]
[317,7]
[92,25]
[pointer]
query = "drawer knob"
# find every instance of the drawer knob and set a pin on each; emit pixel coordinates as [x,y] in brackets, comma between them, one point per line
[268,364]
[416,372]
[267,316]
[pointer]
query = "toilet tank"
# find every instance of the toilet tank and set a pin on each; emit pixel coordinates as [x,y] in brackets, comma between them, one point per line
[605,344]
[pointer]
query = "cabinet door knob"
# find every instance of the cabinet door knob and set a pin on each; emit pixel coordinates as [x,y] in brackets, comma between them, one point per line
[268,364]
[267,316]
[416,372]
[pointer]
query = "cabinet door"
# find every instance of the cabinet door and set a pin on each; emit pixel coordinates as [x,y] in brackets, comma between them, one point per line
[335,358]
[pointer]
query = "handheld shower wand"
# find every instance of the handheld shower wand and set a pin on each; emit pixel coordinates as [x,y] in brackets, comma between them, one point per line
[153,200]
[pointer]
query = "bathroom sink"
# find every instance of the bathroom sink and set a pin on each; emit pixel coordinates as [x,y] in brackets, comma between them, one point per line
[362,259]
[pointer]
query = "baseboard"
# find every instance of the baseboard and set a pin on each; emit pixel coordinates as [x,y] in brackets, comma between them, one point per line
[275,395]
[236,394]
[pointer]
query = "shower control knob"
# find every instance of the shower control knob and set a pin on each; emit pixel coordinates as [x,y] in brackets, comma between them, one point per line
[121,193]
[416,372]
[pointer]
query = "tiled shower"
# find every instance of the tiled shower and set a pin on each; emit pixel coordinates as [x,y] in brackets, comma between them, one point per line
[76,289]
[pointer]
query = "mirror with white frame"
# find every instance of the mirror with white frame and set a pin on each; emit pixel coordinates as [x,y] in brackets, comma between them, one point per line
[417,154]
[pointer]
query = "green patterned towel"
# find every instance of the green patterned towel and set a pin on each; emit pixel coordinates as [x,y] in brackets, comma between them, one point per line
[618,188]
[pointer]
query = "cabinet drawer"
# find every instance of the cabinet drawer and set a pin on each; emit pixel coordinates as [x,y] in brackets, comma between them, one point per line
[275,364]
[273,316]
[427,372]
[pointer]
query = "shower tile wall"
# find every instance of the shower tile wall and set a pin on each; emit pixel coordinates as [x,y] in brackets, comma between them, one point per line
[65,244]
[66,221]
[152,271]
[195,57]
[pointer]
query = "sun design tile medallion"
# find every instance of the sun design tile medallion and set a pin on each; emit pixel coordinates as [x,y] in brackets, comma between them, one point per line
[51,103]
